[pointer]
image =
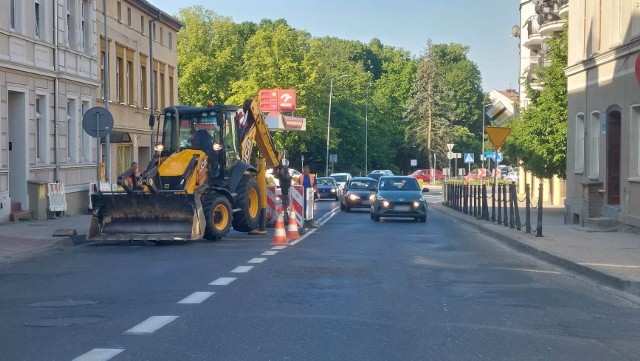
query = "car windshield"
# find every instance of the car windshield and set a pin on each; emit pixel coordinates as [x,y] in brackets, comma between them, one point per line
[340,178]
[399,184]
[326,181]
[362,184]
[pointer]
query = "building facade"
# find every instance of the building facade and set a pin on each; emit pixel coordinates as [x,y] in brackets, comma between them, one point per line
[132,75]
[603,145]
[539,21]
[48,78]
[51,74]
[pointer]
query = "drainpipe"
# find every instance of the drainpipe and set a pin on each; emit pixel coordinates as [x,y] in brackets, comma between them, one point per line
[56,87]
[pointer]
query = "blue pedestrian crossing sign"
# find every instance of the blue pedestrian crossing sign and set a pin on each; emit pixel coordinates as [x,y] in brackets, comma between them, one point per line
[468,157]
[497,157]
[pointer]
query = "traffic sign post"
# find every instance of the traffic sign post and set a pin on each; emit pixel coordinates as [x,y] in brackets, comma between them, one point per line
[98,122]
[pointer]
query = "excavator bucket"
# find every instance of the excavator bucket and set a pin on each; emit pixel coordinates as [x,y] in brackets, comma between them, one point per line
[147,217]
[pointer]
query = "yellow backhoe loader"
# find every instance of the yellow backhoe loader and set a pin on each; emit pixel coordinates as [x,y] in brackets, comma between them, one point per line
[198,183]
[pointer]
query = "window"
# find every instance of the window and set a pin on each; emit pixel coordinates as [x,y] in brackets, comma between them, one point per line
[142,24]
[171,95]
[41,130]
[155,88]
[161,97]
[130,87]
[38,29]
[161,35]
[635,142]
[15,14]
[119,11]
[120,79]
[103,61]
[143,82]
[84,24]
[153,31]
[579,144]
[87,140]
[170,41]
[69,22]
[594,146]
[72,131]
[129,17]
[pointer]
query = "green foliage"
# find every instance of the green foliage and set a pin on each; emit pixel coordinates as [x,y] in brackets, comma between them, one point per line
[539,136]
[382,103]
[446,101]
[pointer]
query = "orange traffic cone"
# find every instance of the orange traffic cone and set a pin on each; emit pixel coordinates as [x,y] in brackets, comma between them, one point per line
[280,235]
[292,228]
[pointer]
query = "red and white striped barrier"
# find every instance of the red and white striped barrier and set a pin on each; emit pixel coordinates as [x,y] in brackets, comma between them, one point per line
[272,201]
[297,203]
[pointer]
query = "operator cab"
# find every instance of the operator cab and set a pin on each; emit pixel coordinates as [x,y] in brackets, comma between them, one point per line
[219,123]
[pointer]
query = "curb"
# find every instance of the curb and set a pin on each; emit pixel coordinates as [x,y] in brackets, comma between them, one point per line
[600,277]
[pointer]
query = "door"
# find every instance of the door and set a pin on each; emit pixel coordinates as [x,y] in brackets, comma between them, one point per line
[17,147]
[613,157]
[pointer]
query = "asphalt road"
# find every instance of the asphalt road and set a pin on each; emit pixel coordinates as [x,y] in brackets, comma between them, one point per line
[350,290]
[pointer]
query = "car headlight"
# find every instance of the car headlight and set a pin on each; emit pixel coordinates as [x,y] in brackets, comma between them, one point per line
[385,204]
[333,190]
[416,204]
[353,197]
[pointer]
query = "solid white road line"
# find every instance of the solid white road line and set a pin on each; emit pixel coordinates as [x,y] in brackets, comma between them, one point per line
[222,281]
[196,297]
[611,265]
[99,354]
[151,324]
[268,253]
[257,260]
[242,269]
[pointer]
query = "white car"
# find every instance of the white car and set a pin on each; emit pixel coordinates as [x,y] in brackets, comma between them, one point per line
[273,181]
[341,180]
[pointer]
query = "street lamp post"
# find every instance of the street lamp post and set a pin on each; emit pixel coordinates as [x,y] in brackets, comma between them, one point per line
[483,116]
[366,133]
[326,168]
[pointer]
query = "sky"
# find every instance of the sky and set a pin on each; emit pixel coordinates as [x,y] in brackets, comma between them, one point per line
[483,25]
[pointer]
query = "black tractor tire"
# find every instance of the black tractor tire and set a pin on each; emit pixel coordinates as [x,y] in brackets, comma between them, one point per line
[218,214]
[247,201]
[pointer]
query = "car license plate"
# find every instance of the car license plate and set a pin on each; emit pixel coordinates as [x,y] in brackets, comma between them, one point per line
[401,208]
[365,202]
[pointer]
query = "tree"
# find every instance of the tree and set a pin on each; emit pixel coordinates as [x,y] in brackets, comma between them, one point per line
[539,136]
[445,101]
[209,51]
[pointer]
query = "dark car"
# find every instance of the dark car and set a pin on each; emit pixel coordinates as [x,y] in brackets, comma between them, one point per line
[356,193]
[327,188]
[399,196]
[376,174]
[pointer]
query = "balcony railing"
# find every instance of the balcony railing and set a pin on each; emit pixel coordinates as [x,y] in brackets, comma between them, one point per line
[549,10]
[533,27]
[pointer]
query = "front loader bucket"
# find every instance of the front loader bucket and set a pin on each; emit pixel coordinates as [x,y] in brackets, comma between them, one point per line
[147,217]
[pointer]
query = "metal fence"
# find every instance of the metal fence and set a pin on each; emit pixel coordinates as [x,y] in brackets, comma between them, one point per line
[501,206]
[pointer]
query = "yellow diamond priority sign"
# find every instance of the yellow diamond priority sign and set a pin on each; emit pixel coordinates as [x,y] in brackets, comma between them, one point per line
[497,135]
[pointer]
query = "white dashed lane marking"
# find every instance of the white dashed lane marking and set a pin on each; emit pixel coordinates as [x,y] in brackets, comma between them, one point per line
[222,281]
[257,260]
[242,269]
[278,247]
[196,297]
[268,253]
[151,324]
[99,354]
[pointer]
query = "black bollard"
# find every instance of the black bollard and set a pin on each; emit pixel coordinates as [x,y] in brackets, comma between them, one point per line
[512,216]
[516,207]
[527,210]
[539,229]
[493,203]
[506,208]
[499,219]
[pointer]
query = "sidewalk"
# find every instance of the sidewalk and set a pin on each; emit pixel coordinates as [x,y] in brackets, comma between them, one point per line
[20,240]
[609,258]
